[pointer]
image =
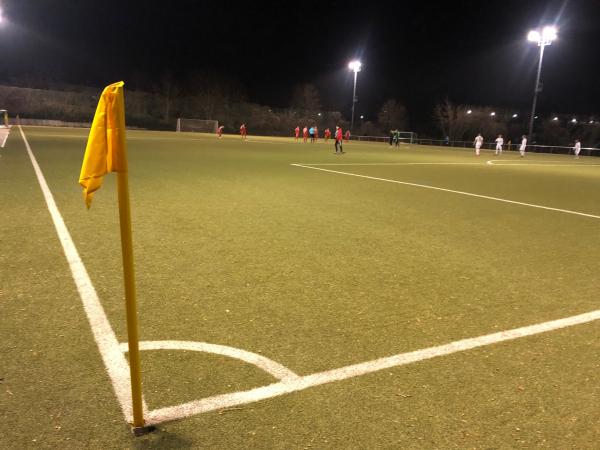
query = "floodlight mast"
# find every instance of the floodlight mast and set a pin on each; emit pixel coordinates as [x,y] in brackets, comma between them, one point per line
[542,39]
[355,67]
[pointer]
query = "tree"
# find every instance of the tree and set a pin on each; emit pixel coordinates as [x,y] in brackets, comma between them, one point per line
[306,97]
[170,90]
[453,120]
[393,115]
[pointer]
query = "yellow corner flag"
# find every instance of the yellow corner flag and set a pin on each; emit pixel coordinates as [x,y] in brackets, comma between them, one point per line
[105,150]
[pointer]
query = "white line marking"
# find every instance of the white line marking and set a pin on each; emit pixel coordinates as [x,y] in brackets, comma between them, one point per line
[469,194]
[268,365]
[285,387]
[114,360]
[5,132]
[517,163]
[396,164]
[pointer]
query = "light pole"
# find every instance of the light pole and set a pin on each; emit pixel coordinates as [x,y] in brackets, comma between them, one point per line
[355,67]
[542,39]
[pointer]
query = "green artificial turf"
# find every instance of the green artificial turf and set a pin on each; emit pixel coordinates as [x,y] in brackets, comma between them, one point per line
[315,270]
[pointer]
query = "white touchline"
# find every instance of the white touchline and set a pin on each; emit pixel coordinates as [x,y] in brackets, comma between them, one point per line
[304,382]
[469,194]
[114,360]
[6,133]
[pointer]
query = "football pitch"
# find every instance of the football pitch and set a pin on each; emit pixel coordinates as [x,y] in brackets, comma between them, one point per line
[290,297]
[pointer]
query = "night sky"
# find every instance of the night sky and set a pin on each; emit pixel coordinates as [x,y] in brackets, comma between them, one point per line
[418,52]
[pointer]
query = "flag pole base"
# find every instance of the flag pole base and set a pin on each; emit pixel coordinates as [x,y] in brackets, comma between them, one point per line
[141,431]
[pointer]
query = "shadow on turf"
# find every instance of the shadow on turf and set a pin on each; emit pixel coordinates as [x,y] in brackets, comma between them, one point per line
[161,439]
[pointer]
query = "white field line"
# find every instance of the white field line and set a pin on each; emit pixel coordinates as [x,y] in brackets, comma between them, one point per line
[304,382]
[268,365]
[469,194]
[112,356]
[4,136]
[397,164]
[499,162]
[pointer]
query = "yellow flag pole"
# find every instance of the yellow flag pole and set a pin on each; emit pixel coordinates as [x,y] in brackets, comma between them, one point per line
[130,300]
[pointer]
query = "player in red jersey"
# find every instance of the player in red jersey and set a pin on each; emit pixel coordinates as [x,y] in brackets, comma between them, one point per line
[338,140]
[327,134]
[297,131]
[305,134]
[347,135]
[316,134]
[220,131]
[243,131]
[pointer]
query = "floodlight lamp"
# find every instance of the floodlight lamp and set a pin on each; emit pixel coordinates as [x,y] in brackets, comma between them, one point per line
[515,115]
[591,121]
[555,118]
[362,117]
[535,117]
[355,66]
[534,36]
[319,114]
[574,120]
[549,34]
[469,112]
[492,114]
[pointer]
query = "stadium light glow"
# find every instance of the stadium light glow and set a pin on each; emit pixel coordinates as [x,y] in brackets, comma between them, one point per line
[591,121]
[492,114]
[515,116]
[542,39]
[319,114]
[469,112]
[355,67]
[573,120]
[549,34]
[534,36]
[535,117]
[555,118]
[362,117]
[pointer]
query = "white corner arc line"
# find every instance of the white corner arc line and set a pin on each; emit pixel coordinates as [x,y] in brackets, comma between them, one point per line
[268,365]
[114,360]
[452,191]
[304,382]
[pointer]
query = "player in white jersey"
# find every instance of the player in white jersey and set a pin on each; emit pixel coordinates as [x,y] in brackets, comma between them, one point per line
[523,146]
[499,143]
[478,142]
[577,148]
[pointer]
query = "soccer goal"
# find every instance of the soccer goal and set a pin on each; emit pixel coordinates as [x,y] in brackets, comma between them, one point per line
[197,125]
[3,118]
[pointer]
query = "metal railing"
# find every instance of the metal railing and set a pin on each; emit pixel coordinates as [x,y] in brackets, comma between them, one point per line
[533,148]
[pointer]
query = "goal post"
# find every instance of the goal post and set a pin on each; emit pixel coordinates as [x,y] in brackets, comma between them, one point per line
[197,125]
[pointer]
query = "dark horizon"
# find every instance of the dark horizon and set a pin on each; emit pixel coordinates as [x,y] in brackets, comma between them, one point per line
[470,52]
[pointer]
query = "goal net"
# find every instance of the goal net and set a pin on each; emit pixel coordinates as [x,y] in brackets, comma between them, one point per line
[197,125]
[3,118]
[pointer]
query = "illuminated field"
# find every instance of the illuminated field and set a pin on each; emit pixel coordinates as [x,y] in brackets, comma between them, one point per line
[313,262]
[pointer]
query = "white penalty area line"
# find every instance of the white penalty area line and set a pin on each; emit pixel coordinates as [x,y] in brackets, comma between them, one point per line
[343,373]
[112,356]
[452,191]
